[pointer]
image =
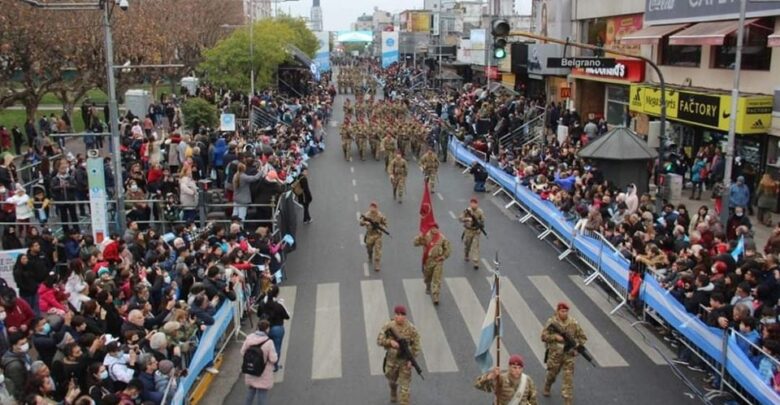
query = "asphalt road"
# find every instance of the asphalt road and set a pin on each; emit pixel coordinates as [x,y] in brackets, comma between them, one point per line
[330,355]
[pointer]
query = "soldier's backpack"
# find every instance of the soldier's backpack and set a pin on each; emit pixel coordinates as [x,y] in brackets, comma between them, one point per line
[254,361]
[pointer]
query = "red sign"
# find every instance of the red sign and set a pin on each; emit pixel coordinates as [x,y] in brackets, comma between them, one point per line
[627,70]
[565,92]
[492,73]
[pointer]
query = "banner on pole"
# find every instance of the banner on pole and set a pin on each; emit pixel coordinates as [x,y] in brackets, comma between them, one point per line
[96,180]
[389,48]
[322,57]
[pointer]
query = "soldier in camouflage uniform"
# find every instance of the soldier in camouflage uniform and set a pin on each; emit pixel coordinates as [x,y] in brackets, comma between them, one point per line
[346,140]
[348,109]
[361,137]
[471,217]
[403,138]
[430,166]
[374,139]
[398,371]
[436,249]
[557,359]
[388,144]
[373,238]
[415,138]
[398,173]
[516,388]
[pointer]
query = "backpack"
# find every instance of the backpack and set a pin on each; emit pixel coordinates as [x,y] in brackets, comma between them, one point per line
[297,189]
[254,361]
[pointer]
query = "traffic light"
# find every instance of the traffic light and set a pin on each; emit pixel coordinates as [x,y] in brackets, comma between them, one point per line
[499,31]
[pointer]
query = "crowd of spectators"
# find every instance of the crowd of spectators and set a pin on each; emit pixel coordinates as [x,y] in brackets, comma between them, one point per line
[714,269]
[116,322]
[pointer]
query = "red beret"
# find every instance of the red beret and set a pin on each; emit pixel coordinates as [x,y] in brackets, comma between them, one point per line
[721,267]
[373,204]
[563,305]
[399,310]
[516,360]
[474,200]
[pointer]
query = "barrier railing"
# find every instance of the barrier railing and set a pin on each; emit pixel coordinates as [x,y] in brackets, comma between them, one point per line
[613,267]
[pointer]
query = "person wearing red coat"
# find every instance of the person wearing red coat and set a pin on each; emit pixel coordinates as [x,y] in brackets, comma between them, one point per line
[18,313]
[50,297]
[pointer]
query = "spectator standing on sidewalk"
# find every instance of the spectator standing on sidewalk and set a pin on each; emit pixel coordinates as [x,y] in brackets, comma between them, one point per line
[739,194]
[63,190]
[767,199]
[304,194]
[258,386]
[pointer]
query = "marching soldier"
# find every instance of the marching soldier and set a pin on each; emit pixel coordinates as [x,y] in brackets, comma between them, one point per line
[473,220]
[374,222]
[347,109]
[361,137]
[403,138]
[388,144]
[430,166]
[398,337]
[398,173]
[346,140]
[374,140]
[516,387]
[436,249]
[554,335]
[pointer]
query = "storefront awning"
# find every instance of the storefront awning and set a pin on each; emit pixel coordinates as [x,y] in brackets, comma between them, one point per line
[650,35]
[774,39]
[707,33]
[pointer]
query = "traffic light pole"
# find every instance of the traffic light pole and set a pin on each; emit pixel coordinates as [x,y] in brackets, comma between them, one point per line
[661,82]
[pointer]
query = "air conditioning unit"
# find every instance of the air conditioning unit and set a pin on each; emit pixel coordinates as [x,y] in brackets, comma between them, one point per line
[654,134]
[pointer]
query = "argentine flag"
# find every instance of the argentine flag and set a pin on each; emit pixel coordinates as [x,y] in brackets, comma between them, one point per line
[739,250]
[491,328]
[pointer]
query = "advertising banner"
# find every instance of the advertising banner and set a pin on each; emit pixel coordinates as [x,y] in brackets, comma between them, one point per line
[7,261]
[322,57]
[537,59]
[418,21]
[754,113]
[687,11]
[96,180]
[617,27]
[389,48]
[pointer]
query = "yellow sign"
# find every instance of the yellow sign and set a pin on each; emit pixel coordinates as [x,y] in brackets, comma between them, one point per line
[754,113]
[419,21]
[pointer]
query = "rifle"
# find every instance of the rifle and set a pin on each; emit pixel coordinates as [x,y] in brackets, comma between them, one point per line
[375,225]
[404,352]
[569,344]
[476,223]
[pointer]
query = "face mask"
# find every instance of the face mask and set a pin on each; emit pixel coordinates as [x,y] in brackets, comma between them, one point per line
[46,329]
[739,214]
[2,316]
[104,375]
[167,279]
[2,379]
[133,188]
[25,348]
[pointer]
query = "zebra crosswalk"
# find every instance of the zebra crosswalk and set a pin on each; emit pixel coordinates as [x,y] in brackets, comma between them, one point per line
[325,334]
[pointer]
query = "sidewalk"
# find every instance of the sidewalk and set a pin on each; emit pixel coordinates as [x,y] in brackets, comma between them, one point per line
[761,232]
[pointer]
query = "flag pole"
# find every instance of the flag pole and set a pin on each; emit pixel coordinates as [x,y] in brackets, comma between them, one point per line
[498,328]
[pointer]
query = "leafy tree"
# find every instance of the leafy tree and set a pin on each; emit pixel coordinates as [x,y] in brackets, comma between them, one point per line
[199,113]
[229,64]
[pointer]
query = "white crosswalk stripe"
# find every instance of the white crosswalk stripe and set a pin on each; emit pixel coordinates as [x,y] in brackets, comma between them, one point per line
[602,351]
[436,350]
[375,314]
[521,314]
[326,356]
[287,295]
[473,313]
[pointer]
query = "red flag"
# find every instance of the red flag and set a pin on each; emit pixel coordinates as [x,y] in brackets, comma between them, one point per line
[426,211]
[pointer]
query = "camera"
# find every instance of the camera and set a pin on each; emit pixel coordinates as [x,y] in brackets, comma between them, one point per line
[123,4]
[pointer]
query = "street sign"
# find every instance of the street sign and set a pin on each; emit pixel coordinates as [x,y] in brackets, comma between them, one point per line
[581,62]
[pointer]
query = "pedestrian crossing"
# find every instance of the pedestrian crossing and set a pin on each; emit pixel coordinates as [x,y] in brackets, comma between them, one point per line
[464,296]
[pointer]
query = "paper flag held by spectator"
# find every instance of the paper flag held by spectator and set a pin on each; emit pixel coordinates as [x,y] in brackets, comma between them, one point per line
[288,239]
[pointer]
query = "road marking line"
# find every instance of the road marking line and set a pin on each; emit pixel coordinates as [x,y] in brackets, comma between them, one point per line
[623,324]
[354,183]
[452,214]
[435,347]
[441,197]
[357,215]
[356,197]
[362,241]
[286,293]
[472,312]
[603,352]
[487,265]
[352,169]
[521,314]
[326,355]
[375,314]
[365,269]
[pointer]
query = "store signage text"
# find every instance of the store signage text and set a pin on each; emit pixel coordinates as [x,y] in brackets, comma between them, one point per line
[581,62]
[625,69]
[672,11]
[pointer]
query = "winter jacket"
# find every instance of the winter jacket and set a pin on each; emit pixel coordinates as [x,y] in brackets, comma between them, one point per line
[25,280]
[244,193]
[701,296]
[48,298]
[266,380]
[20,314]
[696,170]
[188,196]
[21,203]
[150,392]
[217,157]
[739,196]
[63,188]
[15,372]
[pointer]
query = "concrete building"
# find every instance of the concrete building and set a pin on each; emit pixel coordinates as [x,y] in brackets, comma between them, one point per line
[315,21]
[363,23]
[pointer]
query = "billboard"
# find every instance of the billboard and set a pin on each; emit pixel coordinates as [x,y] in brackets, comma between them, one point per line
[417,21]
[617,27]
[670,11]
[322,57]
[552,18]
[389,48]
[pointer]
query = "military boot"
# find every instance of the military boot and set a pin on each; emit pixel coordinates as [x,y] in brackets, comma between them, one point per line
[568,401]
[393,393]
[546,391]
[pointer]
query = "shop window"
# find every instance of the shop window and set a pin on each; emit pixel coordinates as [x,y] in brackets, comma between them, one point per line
[679,55]
[755,53]
[617,105]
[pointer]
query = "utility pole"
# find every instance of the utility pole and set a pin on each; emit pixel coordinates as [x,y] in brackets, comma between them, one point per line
[252,64]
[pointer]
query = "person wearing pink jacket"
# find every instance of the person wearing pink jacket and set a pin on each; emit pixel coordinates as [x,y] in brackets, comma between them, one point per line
[258,386]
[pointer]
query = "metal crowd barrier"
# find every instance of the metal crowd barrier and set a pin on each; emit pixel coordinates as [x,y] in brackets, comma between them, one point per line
[717,349]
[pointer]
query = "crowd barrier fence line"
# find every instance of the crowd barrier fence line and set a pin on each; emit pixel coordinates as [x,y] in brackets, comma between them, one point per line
[610,266]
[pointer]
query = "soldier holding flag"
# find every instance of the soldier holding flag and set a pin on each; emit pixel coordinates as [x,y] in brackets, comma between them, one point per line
[512,387]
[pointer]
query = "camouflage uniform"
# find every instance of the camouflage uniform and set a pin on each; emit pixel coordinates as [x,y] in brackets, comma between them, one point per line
[471,234]
[398,173]
[403,139]
[361,136]
[346,140]
[374,141]
[388,144]
[373,238]
[433,267]
[397,370]
[557,360]
[509,386]
[430,166]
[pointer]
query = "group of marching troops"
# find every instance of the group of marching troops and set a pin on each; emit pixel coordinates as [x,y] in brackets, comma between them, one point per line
[352,80]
